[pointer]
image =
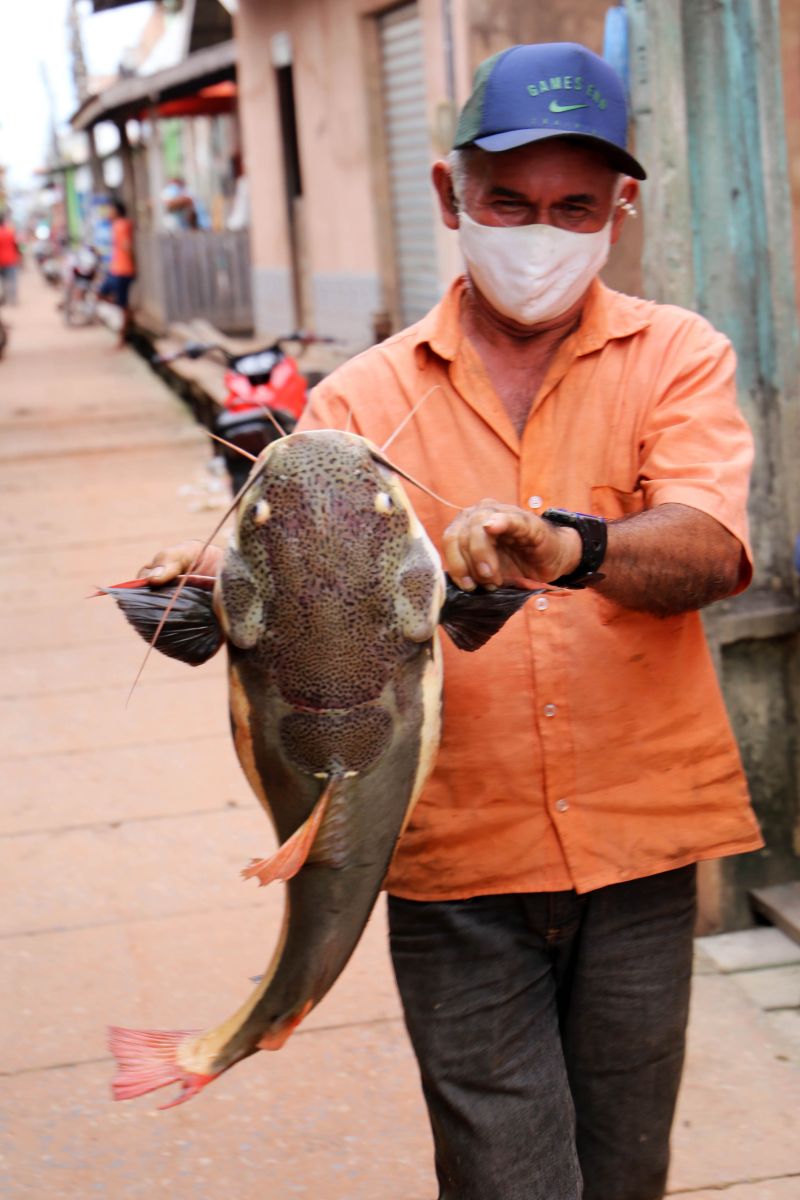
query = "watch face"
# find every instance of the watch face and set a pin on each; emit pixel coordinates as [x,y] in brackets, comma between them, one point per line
[563,516]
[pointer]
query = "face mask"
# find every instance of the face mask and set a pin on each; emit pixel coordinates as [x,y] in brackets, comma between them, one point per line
[532,273]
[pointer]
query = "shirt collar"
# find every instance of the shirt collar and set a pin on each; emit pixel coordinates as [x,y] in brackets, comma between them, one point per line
[606,315]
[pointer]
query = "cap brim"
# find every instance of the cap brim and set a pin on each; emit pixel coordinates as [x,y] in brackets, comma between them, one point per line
[510,139]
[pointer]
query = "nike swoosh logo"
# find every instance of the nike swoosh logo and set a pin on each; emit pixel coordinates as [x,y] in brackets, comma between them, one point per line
[555,107]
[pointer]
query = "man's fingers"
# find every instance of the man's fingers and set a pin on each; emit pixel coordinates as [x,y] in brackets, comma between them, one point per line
[469,552]
[492,542]
[514,525]
[160,572]
[454,559]
[170,562]
[480,553]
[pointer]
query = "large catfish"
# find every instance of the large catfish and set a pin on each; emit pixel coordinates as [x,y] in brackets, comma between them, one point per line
[328,600]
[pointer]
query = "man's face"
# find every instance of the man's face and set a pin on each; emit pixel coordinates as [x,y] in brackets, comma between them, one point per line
[555,182]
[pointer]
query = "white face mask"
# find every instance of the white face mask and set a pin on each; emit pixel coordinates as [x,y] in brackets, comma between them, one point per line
[532,273]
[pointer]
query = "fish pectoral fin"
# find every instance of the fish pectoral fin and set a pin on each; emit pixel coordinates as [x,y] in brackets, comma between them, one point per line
[290,857]
[191,631]
[471,618]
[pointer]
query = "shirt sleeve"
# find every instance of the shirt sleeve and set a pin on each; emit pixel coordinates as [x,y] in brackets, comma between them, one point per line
[696,447]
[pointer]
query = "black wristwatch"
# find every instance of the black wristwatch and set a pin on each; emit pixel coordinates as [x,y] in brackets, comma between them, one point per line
[594,538]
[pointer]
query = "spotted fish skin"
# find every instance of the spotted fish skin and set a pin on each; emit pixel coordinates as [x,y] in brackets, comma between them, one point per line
[328,601]
[329,598]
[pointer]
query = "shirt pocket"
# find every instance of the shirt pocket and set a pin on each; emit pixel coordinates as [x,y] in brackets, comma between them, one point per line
[613,503]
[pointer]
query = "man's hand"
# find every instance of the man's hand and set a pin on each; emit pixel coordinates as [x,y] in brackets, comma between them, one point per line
[667,560]
[179,560]
[495,544]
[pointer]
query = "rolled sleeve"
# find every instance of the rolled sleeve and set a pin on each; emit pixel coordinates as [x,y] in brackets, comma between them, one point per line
[696,448]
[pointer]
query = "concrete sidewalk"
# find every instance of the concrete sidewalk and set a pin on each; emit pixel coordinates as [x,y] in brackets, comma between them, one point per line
[123,830]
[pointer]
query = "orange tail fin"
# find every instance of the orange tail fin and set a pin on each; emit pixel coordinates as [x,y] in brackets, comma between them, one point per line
[147,1060]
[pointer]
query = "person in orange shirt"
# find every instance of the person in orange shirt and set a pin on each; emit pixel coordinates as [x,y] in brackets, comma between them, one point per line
[121,267]
[542,899]
[10,259]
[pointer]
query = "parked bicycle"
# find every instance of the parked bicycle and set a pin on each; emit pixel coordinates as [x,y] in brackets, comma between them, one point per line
[80,294]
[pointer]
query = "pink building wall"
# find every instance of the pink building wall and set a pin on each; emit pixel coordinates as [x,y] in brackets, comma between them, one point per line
[345,256]
[345,230]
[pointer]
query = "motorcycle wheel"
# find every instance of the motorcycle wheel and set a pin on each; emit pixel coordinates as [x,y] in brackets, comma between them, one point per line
[79,310]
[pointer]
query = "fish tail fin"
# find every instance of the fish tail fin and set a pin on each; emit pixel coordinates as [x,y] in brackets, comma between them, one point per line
[147,1060]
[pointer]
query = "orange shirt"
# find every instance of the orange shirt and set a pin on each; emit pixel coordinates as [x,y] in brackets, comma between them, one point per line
[585,744]
[9,251]
[121,247]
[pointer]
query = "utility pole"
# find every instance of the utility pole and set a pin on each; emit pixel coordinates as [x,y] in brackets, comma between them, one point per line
[80,79]
[53,154]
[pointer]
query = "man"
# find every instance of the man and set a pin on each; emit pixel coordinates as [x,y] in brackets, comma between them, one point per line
[121,267]
[180,207]
[10,259]
[541,902]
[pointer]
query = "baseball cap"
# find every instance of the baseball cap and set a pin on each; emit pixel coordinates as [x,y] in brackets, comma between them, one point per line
[550,89]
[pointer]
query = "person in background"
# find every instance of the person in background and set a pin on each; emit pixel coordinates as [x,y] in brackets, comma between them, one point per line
[10,259]
[121,268]
[239,215]
[181,209]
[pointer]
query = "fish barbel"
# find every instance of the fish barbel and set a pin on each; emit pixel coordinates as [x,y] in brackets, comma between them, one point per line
[328,599]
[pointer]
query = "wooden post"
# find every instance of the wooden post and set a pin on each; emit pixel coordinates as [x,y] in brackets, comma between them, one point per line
[155,167]
[658,109]
[126,158]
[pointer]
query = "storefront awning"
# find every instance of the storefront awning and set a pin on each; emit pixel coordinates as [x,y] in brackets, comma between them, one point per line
[207,102]
[104,5]
[129,97]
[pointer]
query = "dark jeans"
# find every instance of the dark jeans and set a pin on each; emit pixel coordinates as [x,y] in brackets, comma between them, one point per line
[550,1029]
[116,288]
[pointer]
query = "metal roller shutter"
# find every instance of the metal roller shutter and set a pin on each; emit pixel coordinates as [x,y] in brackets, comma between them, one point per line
[408,152]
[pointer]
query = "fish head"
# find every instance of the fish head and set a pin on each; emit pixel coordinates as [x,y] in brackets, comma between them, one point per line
[325,534]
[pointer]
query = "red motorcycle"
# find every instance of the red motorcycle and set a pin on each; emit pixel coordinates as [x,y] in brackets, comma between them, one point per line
[266,396]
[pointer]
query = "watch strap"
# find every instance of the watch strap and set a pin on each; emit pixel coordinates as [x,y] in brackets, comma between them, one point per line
[593,533]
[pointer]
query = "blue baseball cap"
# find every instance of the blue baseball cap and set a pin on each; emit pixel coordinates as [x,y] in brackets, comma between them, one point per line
[547,90]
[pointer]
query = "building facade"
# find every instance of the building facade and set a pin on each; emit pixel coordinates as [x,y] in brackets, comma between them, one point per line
[345,105]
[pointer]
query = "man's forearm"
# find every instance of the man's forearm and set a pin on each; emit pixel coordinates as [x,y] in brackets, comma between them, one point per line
[668,560]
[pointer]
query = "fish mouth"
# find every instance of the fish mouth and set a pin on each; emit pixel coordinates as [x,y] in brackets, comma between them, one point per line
[331,436]
[293,462]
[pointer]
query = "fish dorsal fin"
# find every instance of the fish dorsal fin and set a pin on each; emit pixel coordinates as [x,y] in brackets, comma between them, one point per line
[471,618]
[191,631]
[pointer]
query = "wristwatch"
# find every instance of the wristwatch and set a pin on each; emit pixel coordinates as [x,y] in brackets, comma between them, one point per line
[594,539]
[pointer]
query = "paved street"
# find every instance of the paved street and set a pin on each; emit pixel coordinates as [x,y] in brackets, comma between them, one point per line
[122,833]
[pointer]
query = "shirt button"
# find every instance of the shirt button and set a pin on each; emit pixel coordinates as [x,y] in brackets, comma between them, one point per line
[561,805]
[534,502]
[541,603]
[549,710]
